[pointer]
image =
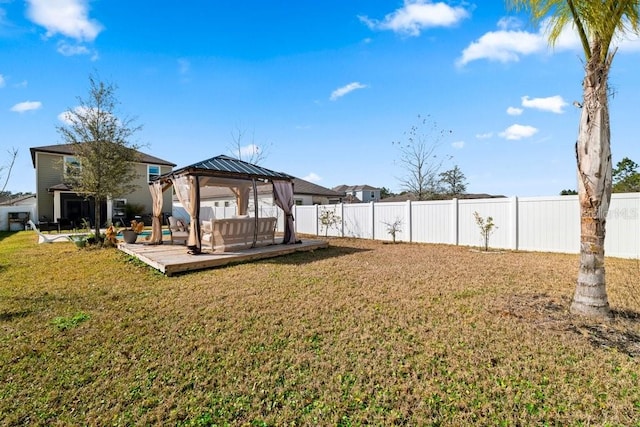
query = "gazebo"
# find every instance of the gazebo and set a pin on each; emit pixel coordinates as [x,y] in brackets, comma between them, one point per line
[240,177]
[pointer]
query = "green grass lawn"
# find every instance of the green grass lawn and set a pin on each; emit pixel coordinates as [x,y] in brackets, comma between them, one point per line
[359,333]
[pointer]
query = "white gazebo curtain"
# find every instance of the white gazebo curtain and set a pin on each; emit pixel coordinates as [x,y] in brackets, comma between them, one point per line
[156,225]
[283,192]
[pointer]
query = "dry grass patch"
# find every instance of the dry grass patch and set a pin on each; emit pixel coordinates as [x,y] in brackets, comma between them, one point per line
[360,333]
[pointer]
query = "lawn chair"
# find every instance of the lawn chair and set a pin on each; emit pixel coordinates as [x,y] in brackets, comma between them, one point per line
[44,238]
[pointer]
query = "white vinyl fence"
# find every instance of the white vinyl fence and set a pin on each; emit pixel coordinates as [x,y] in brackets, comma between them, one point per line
[548,224]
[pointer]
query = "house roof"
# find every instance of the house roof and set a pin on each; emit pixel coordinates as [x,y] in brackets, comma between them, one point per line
[345,188]
[68,149]
[410,196]
[10,201]
[300,186]
[228,167]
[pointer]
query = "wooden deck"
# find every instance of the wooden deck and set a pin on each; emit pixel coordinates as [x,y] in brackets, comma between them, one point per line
[171,259]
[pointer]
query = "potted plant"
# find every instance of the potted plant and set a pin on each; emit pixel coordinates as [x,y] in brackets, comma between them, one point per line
[130,235]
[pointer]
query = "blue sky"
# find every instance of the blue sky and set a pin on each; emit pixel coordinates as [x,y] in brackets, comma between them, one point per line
[325,87]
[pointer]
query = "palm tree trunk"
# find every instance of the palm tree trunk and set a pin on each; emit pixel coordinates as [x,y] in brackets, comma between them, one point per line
[593,151]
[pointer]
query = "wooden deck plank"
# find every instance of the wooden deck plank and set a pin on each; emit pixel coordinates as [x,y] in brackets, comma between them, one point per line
[172,259]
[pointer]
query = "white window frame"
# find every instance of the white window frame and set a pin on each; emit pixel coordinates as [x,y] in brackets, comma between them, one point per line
[149,176]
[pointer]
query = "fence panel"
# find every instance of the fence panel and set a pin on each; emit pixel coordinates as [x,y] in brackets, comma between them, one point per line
[385,215]
[501,210]
[305,219]
[433,221]
[623,226]
[549,224]
[357,220]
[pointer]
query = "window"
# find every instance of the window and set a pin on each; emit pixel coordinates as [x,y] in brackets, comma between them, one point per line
[373,195]
[216,204]
[71,166]
[298,202]
[153,171]
[226,204]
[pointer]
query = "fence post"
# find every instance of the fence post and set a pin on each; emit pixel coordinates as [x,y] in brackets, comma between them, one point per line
[317,214]
[341,219]
[514,223]
[407,216]
[373,218]
[455,223]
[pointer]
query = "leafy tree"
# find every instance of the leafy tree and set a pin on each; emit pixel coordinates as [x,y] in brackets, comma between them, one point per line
[105,156]
[626,178]
[453,182]
[385,192]
[419,157]
[568,193]
[597,23]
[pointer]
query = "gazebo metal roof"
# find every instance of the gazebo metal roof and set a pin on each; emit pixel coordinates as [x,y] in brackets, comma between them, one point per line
[228,167]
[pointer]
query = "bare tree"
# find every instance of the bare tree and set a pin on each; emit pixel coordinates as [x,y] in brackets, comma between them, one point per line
[13,154]
[105,156]
[420,159]
[244,147]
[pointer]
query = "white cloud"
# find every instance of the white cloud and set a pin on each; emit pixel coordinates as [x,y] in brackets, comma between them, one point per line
[502,46]
[67,49]
[553,104]
[67,17]
[514,111]
[486,135]
[3,82]
[249,151]
[516,132]
[342,91]
[417,15]
[509,43]
[458,145]
[313,177]
[22,107]
[65,116]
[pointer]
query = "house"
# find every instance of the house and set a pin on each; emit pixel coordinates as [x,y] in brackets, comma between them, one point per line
[304,193]
[56,200]
[359,193]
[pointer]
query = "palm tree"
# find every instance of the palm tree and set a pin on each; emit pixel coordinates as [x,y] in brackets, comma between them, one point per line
[597,22]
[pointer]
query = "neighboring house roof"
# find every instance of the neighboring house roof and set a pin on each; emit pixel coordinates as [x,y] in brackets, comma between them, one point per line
[300,186]
[68,149]
[20,200]
[347,188]
[413,198]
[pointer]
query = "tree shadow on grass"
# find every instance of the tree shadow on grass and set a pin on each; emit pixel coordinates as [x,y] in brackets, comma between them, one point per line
[544,311]
[8,316]
[299,258]
[5,234]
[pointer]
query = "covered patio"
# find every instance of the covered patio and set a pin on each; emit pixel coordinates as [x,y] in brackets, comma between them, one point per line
[239,238]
